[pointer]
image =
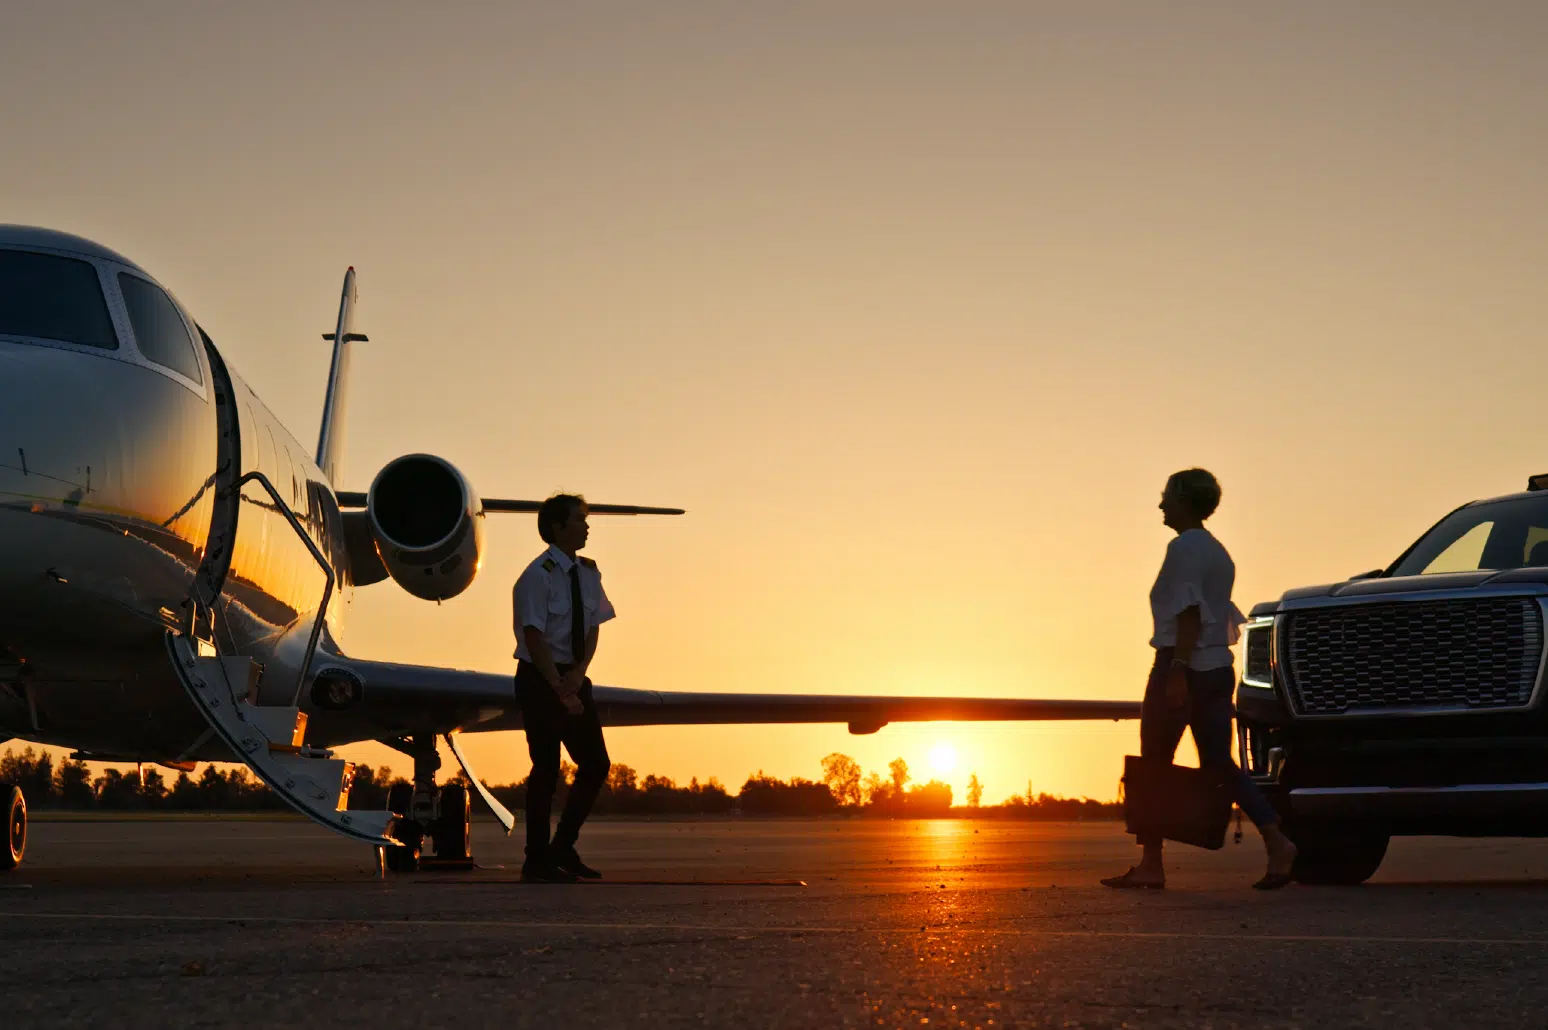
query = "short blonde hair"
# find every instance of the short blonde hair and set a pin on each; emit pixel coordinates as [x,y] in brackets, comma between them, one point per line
[1199,488]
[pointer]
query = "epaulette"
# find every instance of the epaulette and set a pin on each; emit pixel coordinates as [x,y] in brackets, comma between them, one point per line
[549,565]
[586,561]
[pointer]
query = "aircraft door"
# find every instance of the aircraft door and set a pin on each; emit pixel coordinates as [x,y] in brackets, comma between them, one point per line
[228,468]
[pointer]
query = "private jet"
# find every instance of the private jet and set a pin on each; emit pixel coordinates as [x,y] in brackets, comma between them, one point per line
[175,569]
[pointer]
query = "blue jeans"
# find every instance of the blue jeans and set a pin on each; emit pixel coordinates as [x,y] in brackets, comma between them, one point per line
[1208,713]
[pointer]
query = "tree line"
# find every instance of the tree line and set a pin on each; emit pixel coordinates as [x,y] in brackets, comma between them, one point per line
[844,788]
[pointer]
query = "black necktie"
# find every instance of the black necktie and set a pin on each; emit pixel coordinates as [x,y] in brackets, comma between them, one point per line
[577,617]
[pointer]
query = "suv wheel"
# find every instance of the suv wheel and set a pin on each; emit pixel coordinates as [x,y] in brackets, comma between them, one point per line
[1326,856]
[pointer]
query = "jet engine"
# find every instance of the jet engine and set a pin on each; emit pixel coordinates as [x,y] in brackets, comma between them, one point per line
[428,525]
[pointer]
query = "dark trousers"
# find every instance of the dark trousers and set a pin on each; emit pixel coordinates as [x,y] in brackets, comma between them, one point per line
[1208,713]
[548,725]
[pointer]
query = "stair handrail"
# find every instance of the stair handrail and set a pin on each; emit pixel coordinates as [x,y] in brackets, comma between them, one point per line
[322,563]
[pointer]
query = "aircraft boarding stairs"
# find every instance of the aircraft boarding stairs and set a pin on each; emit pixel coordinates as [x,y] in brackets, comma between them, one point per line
[270,737]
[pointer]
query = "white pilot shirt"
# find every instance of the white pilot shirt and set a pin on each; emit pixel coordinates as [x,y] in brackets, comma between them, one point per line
[542,601]
[1197,571]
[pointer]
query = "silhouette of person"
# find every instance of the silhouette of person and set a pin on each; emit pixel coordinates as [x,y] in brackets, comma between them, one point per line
[1191,682]
[559,603]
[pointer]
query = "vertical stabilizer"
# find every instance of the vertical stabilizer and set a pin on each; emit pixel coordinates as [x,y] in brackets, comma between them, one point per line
[330,439]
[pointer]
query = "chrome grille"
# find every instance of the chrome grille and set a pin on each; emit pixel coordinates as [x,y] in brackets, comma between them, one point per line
[1463,654]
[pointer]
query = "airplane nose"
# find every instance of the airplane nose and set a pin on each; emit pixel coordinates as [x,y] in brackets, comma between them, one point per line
[47,411]
[101,465]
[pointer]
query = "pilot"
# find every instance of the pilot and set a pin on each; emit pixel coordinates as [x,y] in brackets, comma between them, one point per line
[559,603]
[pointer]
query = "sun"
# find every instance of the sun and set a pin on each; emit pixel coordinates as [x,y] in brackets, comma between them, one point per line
[943,759]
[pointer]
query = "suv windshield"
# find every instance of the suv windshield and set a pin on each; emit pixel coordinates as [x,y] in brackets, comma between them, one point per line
[44,297]
[1499,535]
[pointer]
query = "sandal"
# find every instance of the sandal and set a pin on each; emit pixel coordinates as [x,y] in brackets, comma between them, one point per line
[1128,882]
[1272,881]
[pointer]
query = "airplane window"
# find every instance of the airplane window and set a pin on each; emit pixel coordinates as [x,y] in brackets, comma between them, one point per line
[158,328]
[53,298]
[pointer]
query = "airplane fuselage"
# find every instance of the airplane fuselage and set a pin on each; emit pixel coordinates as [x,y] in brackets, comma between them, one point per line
[116,476]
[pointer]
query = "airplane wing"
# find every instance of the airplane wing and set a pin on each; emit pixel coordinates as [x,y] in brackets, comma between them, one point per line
[495,505]
[401,700]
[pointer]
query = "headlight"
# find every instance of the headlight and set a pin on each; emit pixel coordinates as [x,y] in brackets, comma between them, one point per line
[1258,668]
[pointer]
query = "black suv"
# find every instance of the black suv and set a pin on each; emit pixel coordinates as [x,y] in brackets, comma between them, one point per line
[1407,700]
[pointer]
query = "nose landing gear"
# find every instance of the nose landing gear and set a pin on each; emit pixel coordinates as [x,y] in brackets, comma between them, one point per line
[442,814]
[15,812]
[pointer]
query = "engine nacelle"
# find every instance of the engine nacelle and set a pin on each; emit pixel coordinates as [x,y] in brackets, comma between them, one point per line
[428,525]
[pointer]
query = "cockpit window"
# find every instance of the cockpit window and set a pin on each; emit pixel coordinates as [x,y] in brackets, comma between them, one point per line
[159,331]
[1510,534]
[47,297]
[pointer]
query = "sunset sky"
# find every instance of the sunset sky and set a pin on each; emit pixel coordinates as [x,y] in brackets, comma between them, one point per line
[914,306]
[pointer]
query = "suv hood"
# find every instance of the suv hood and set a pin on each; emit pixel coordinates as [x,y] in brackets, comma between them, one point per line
[1451,581]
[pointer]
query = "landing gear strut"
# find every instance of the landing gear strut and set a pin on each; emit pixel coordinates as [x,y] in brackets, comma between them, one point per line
[15,813]
[443,814]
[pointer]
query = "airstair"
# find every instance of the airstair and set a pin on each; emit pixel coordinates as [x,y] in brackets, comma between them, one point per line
[270,737]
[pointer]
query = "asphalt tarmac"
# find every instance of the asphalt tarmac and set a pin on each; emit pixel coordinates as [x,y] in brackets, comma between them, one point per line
[956,923]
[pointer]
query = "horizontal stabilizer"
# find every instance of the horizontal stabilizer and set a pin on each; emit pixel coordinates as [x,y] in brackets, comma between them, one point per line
[492,505]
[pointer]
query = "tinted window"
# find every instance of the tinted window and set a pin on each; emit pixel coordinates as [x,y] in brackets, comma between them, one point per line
[158,328]
[1499,535]
[53,298]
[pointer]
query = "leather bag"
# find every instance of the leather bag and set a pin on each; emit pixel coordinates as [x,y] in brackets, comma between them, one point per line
[1174,802]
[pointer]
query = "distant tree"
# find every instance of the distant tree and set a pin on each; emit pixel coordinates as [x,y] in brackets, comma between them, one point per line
[621,779]
[115,791]
[184,795]
[74,785]
[842,775]
[877,790]
[32,771]
[765,795]
[153,791]
[975,791]
[930,799]
[712,798]
[371,786]
[899,770]
[213,790]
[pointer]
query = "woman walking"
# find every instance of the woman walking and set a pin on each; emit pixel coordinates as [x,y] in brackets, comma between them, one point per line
[1192,679]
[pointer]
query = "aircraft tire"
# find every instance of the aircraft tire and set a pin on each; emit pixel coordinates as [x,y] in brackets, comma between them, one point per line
[399,797]
[1327,857]
[405,858]
[15,828]
[454,827]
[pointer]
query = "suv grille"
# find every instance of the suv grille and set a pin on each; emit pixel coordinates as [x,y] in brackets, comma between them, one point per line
[1465,654]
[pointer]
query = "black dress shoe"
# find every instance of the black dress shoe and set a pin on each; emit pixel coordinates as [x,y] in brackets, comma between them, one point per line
[545,872]
[567,860]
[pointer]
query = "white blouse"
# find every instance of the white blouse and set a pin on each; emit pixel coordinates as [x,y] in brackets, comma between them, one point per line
[1197,571]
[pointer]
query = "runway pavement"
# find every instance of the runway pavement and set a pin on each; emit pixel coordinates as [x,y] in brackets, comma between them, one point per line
[213,922]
